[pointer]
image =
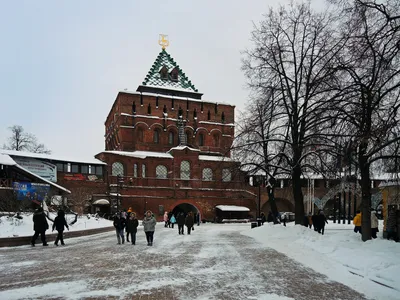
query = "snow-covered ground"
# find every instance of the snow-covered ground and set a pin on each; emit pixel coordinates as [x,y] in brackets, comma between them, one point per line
[217,261]
[13,227]
[214,262]
[339,254]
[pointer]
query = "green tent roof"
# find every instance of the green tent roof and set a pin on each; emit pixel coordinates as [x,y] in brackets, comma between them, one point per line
[155,79]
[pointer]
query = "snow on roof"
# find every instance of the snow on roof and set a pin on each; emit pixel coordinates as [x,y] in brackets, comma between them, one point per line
[6,160]
[216,123]
[215,158]
[174,97]
[385,176]
[141,116]
[92,161]
[43,179]
[232,208]
[101,202]
[389,183]
[182,147]
[172,88]
[140,154]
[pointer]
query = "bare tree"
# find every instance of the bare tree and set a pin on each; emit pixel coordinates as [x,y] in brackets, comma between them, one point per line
[79,198]
[369,84]
[258,144]
[294,49]
[24,141]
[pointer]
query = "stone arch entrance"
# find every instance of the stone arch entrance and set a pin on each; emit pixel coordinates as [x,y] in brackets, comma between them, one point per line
[185,208]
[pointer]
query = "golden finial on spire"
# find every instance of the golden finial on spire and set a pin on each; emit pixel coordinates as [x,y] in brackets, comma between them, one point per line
[163,41]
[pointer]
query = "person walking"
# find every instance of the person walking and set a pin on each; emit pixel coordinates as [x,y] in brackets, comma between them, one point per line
[314,220]
[198,219]
[310,221]
[149,226]
[59,224]
[357,222]
[169,219]
[40,226]
[374,224]
[283,218]
[189,222]
[263,218]
[321,222]
[131,228]
[119,224]
[166,219]
[172,220]
[181,222]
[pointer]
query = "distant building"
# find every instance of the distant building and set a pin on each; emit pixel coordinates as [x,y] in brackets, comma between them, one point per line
[79,181]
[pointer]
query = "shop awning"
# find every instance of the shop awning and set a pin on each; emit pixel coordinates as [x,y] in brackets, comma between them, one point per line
[101,202]
[232,208]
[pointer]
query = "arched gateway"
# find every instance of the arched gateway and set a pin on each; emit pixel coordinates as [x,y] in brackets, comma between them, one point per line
[184,207]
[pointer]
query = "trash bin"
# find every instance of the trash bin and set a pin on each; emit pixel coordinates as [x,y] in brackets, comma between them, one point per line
[253,224]
[259,222]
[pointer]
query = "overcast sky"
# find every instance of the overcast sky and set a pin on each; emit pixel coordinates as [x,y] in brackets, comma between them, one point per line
[62,63]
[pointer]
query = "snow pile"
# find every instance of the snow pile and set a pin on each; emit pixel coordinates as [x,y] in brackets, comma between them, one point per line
[372,267]
[14,227]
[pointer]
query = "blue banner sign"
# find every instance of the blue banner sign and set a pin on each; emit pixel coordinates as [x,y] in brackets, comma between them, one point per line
[31,191]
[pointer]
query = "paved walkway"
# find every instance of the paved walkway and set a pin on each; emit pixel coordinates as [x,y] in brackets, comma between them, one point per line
[214,262]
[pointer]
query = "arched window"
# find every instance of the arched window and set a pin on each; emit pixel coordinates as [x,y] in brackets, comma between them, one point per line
[117,169]
[207,174]
[135,169]
[188,137]
[216,140]
[140,134]
[161,172]
[185,169]
[226,175]
[144,171]
[171,138]
[201,139]
[156,136]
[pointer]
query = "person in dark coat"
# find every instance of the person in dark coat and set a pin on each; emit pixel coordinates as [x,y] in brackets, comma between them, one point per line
[321,222]
[263,218]
[131,228]
[198,219]
[181,222]
[40,226]
[189,222]
[314,220]
[305,221]
[59,224]
[119,224]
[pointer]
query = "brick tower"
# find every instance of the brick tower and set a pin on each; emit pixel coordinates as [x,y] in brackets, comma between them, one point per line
[167,149]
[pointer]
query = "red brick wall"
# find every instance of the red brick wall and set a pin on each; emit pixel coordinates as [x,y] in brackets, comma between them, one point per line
[126,137]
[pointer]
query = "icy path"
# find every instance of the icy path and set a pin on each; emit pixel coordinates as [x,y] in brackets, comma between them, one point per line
[214,262]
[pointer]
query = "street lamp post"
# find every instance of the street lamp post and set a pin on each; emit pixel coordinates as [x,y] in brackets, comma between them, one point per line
[120,184]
